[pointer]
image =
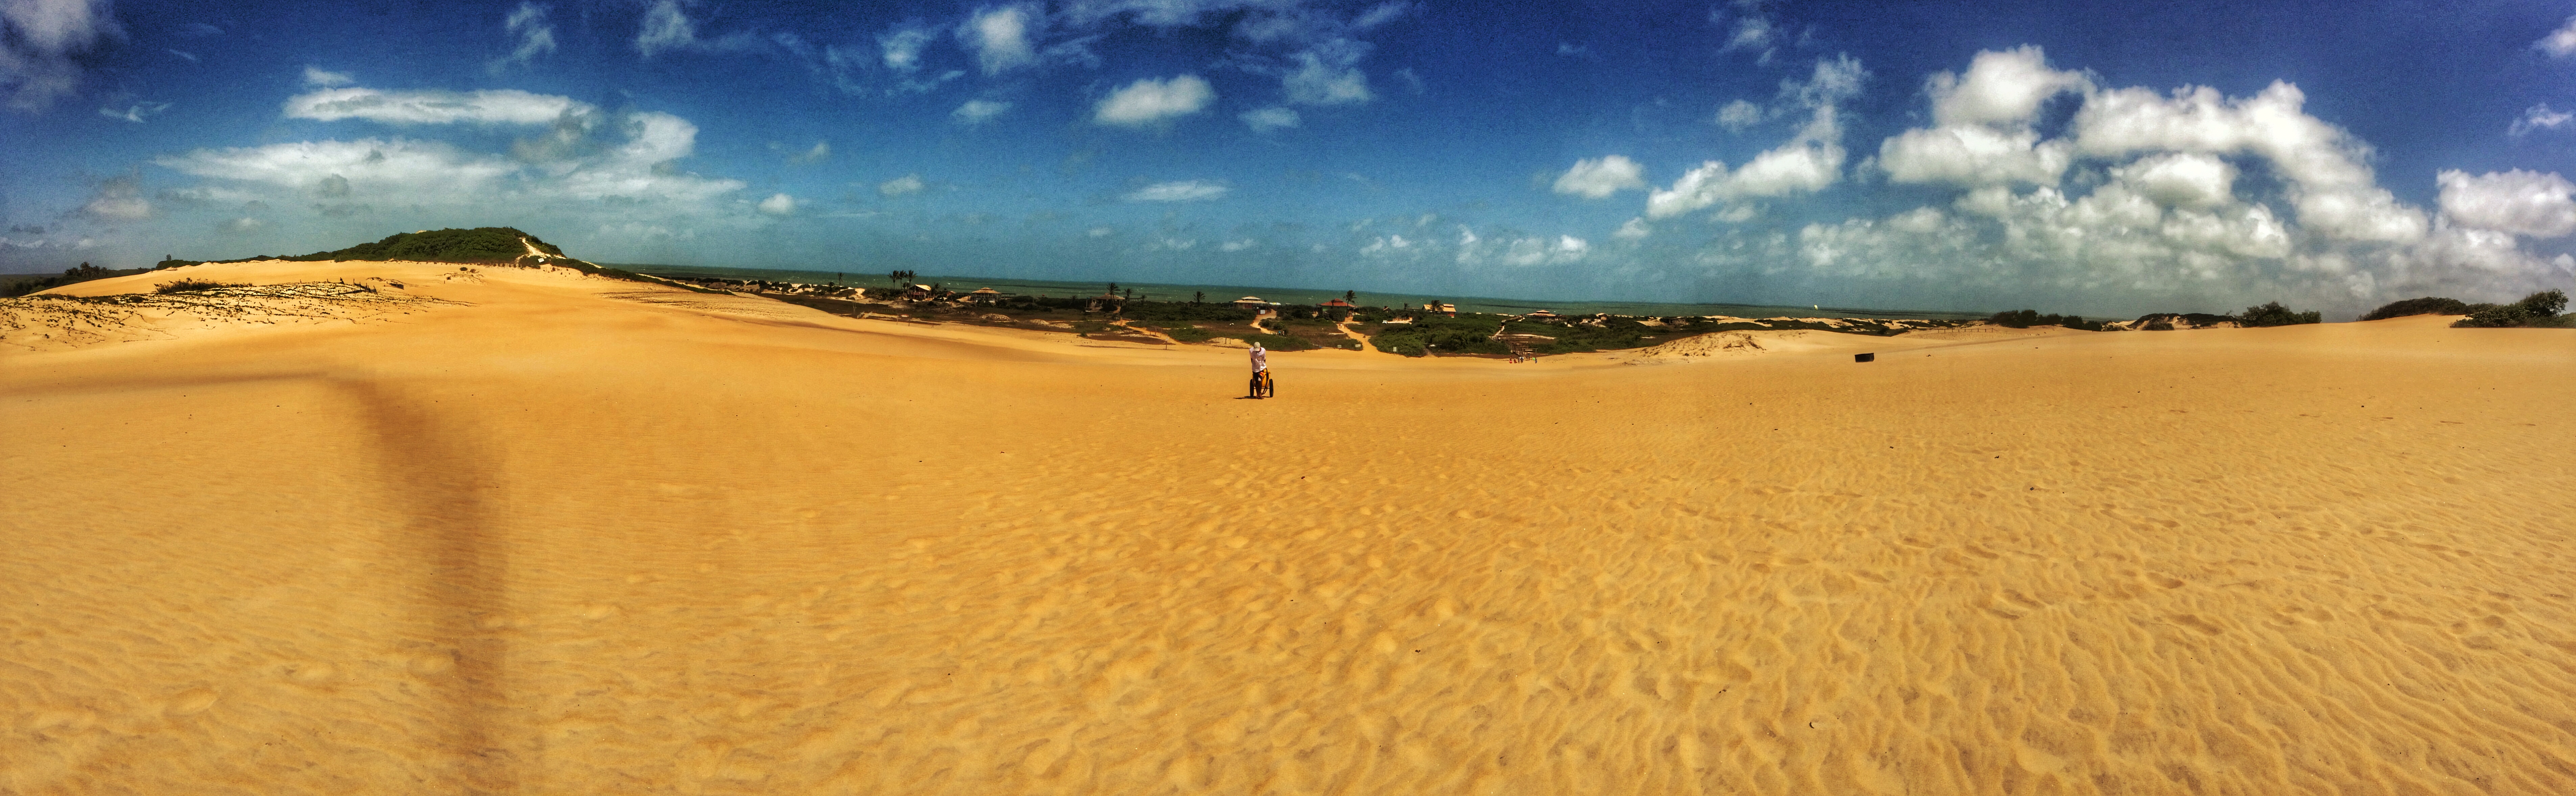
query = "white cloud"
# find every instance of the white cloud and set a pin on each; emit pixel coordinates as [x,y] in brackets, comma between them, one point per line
[1635,229]
[2559,43]
[665,28]
[38,39]
[2001,87]
[1101,232]
[499,106]
[976,112]
[241,226]
[1739,115]
[1149,101]
[323,78]
[1599,178]
[1808,162]
[1541,251]
[1181,191]
[1239,245]
[822,151]
[901,46]
[2539,117]
[1973,155]
[2181,179]
[184,55]
[906,184]
[1328,75]
[535,36]
[135,112]
[2517,201]
[1263,120]
[1000,37]
[779,205]
[118,199]
[1982,133]
[1383,13]
[1753,29]
[2330,185]
[638,175]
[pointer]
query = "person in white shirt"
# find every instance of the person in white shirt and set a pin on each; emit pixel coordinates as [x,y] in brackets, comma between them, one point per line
[1260,358]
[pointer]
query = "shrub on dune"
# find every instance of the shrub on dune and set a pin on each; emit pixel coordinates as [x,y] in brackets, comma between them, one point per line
[2273,314]
[2428,305]
[2537,309]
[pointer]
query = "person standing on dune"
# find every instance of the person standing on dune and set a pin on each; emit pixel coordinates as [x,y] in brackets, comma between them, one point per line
[1260,367]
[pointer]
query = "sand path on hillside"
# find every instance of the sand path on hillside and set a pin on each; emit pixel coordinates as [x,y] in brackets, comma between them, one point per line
[548,539]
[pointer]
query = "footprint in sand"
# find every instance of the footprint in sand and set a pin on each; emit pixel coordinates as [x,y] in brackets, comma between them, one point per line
[2194,622]
[192,702]
[312,672]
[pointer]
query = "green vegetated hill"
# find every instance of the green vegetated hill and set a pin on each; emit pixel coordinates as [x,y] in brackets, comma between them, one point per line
[477,245]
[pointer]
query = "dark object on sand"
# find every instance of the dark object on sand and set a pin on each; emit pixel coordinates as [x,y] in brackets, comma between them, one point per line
[1262,386]
[1864,357]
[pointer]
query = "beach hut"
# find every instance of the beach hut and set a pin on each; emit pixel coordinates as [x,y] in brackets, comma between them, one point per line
[984,295]
[1253,303]
[1337,308]
[916,293]
[1542,315]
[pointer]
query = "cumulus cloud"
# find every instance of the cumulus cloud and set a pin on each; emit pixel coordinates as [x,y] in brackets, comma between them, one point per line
[1808,162]
[2539,117]
[535,36]
[1263,120]
[666,29]
[431,106]
[1739,115]
[118,199]
[1001,37]
[240,226]
[1148,101]
[2520,202]
[975,112]
[821,151]
[1982,133]
[38,39]
[2181,179]
[323,78]
[1635,229]
[906,184]
[638,174]
[1181,191]
[2559,43]
[2330,184]
[779,204]
[1329,75]
[2001,87]
[1753,28]
[1598,178]
[900,47]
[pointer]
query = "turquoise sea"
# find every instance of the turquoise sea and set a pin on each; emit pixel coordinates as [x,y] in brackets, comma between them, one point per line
[1285,295]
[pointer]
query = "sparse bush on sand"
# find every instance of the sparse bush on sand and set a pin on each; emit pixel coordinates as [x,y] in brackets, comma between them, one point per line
[2428,305]
[2273,314]
[2537,309]
[192,285]
[2024,319]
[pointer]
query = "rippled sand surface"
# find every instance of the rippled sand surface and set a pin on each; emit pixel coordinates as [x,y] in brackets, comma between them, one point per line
[565,538]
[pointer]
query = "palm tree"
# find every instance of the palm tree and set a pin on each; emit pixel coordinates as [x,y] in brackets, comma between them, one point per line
[1352,297]
[1199,298]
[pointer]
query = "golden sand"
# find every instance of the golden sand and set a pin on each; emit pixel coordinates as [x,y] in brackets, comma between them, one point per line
[566,535]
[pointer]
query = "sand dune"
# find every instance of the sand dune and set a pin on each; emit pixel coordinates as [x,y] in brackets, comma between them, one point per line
[557,533]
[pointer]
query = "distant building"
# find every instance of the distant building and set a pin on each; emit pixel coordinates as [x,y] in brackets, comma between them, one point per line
[1541,315]
[984,295]
[917,293]
[1253,303]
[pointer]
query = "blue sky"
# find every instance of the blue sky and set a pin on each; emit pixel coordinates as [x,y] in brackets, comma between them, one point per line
[2108,158]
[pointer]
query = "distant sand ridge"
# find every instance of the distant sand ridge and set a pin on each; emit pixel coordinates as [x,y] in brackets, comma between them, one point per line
[550,532]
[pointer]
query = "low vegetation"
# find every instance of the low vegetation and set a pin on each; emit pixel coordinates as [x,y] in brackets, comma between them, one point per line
[2273,314]
[2536,310]
[192,285]
[2428,305]
[75,275]
[2024,319]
